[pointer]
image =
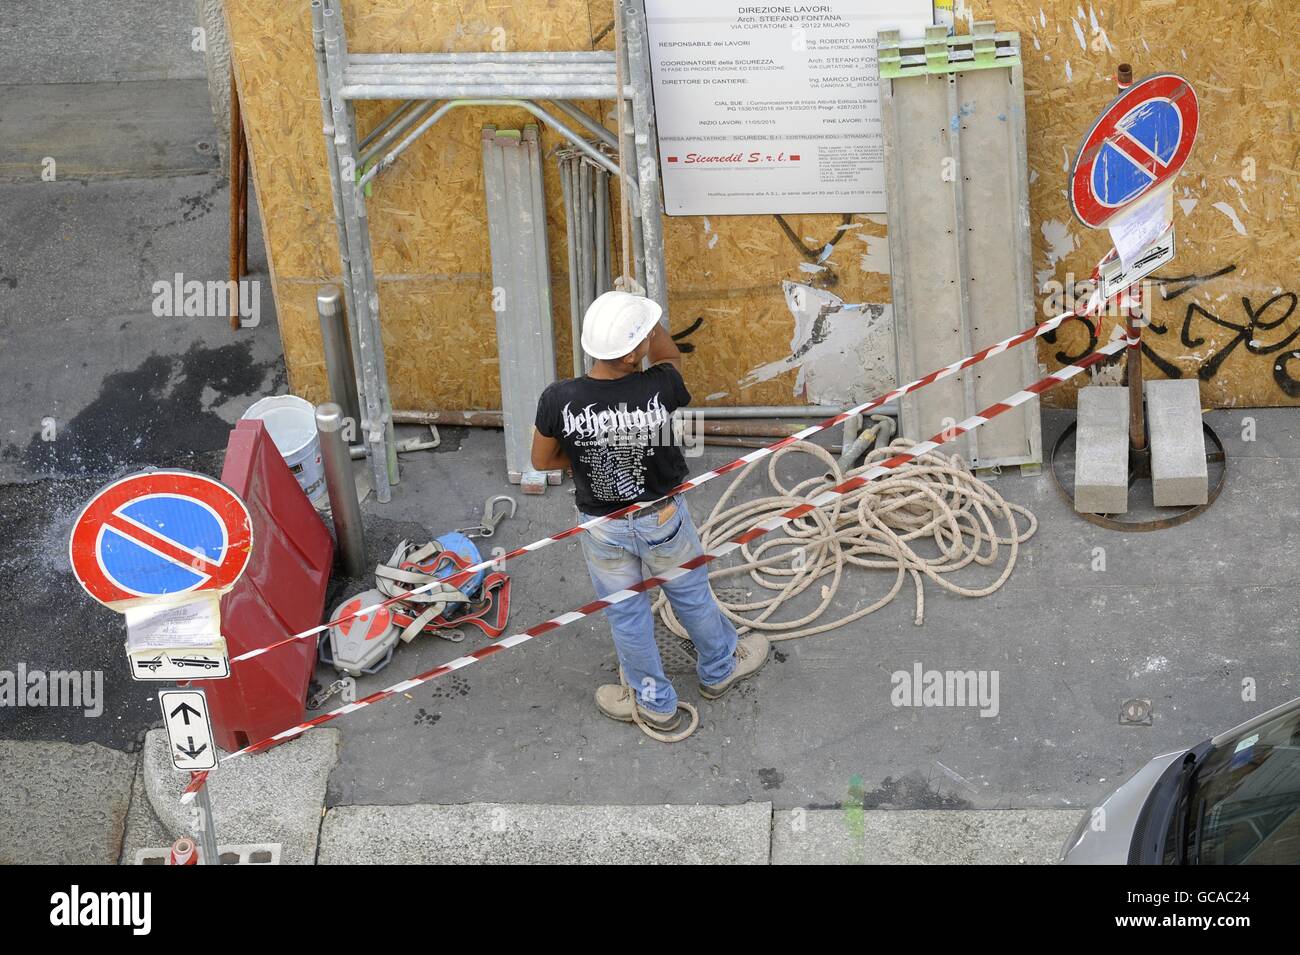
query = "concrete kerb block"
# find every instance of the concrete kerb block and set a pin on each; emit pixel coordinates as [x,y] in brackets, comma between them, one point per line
[1180,476]
[526,834]
[271,797]
[1101,451]
[216,52]
[62,803]
[921,836]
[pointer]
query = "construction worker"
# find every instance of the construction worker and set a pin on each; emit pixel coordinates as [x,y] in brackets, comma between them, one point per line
[612,428]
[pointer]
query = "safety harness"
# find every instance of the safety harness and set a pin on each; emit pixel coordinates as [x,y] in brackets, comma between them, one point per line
[365,643]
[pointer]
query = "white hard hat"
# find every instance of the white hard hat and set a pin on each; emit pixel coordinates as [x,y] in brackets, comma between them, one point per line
[616,323]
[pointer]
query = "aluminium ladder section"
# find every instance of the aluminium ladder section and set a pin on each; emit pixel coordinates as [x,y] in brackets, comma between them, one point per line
[516,213]
[428,85]
[958,201]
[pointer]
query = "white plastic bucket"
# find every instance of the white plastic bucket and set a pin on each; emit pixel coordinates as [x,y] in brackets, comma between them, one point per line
[291,423]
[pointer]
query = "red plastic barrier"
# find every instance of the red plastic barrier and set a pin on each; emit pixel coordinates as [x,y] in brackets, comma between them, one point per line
[281,593]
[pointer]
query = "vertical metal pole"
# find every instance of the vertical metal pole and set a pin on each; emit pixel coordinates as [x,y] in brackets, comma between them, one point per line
[601,235]
[345,509]
[236,159]
[628,165]
[352,312]
[584,235]
[370,357]
[207,834]
[339,367]
[647,159]
[638,237]
[1137,430]
[567,161]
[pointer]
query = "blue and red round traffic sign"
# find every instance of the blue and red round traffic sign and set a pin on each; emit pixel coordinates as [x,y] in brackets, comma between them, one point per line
[159,534]
[1140,141]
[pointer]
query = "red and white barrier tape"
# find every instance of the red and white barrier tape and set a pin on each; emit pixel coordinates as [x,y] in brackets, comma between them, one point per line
[461,576]
[763,527]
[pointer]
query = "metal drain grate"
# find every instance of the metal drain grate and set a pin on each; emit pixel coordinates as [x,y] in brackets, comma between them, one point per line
[679,655]
[731,595]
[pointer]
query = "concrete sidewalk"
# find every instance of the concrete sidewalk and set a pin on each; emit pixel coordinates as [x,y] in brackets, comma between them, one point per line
[89,805]
[749,834]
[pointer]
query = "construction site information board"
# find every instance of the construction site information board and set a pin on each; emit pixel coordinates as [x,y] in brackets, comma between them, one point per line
[772,108]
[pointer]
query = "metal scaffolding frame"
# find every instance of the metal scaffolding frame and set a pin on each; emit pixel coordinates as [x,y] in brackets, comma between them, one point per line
[429,85]
[590,234]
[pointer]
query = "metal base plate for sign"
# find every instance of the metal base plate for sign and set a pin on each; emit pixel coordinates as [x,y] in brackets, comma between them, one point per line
[957,184]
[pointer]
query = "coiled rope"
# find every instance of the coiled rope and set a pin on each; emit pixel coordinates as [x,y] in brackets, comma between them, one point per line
[692,717]
[931,518]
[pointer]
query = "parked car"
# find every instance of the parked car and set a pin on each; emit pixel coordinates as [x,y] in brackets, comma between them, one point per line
[1231,800]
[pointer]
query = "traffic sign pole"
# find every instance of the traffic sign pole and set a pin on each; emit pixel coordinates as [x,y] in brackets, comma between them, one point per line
[161,547]
[189,735]
[207,827]
[1137,427]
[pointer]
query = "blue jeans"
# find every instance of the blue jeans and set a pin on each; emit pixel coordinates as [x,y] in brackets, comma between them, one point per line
[628,549]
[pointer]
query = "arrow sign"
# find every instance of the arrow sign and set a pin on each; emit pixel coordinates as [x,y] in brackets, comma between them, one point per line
[192,752]
[184,711]
[189,731]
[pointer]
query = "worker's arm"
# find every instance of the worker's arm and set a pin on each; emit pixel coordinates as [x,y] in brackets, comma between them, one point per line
[663,348]
[548,454]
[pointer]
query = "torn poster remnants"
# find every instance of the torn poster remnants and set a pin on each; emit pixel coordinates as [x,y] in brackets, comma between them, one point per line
[844,351]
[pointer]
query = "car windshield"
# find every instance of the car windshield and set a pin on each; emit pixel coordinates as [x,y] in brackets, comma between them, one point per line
[1243,805]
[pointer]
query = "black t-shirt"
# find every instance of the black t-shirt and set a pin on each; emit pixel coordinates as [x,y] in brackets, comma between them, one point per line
[618,435]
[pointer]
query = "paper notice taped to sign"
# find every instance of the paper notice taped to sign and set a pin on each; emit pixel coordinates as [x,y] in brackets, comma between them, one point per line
[178,641]
[772,108]
[193,624]
[1135,229]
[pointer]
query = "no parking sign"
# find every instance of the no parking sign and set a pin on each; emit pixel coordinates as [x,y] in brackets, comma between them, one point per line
[1138,143]
[162,547]
[158,536]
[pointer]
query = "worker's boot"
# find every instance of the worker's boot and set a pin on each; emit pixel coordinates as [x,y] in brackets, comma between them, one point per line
[615,701]
[751,654]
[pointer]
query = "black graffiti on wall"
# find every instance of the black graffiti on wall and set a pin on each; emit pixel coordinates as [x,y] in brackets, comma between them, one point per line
[1267,328]
[683,345]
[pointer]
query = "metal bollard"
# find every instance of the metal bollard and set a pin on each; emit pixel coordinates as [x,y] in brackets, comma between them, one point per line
[344,506]
[339,366]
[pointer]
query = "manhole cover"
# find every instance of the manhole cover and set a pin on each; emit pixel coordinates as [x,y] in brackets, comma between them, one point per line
[678,655]
[1135,713]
